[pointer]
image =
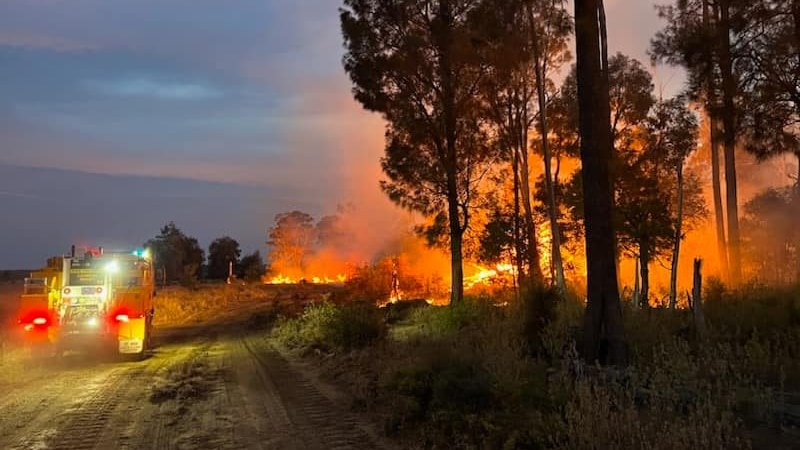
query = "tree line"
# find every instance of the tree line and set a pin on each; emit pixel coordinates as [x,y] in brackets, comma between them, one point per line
[467,89]
[178,258]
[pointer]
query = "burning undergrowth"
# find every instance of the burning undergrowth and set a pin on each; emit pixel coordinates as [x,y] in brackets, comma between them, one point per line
[395,264]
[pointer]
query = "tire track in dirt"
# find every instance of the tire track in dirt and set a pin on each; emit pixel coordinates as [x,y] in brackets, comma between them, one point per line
[315,418]
[28,407]
[262,413]
[105,414]
[86,424]
[143,423]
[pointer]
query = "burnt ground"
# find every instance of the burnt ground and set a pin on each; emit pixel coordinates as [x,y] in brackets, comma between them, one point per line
[210,385]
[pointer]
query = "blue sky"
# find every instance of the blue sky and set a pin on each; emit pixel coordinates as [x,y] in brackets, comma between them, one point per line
[218,113]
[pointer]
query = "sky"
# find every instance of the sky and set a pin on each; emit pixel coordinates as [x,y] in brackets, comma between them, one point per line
[118,116]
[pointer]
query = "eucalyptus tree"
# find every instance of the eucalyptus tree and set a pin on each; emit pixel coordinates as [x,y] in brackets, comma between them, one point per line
[421,65]
[603,317]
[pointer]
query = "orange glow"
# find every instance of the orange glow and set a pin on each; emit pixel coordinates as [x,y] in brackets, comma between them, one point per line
[501,274]
[324,279]
[544,239]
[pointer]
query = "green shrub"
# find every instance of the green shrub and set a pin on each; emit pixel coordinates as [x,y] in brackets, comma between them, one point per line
[755,307]
[330,327]
[444,321]
[402,310]
[355,326]
[450,395]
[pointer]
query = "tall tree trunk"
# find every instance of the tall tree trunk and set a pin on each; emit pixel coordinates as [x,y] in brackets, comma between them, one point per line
[456,260]
[540,68]
[644,266]
[636,282]
[729,137]
[716,187]
[714,131]
[534,267]
[603,317]
[451,158]
[518,253]
[676,247]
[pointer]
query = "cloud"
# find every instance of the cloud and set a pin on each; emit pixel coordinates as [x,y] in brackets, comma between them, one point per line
[149,87]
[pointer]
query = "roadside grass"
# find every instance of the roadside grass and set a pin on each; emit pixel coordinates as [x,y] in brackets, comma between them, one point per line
[326,326]
[177,305]
[482,376]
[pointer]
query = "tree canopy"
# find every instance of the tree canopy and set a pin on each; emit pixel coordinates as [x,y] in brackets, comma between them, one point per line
[178,256]
[221,252]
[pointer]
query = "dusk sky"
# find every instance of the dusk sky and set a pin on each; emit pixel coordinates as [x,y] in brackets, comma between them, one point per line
[216,114]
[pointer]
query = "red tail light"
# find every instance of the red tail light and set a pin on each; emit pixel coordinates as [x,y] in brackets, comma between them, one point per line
[40,321]
[122,318]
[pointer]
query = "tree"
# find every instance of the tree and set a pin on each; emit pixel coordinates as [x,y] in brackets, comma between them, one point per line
[708,39]
[508,92]
[251,267]
[550,28]
[689,40]
[630,99]
[497,239]
[772,117]
[533,44]
[221,253]
[603,317]
[178,256]
[644,222]
[420,66]
[671,135]
[291,241]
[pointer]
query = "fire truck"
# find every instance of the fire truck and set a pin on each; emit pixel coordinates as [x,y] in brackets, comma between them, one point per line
[98,300]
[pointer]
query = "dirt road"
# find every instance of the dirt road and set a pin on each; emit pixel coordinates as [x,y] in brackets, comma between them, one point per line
[204,387]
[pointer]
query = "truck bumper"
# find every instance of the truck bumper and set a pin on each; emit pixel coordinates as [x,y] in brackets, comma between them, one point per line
[83,341]
[131,336]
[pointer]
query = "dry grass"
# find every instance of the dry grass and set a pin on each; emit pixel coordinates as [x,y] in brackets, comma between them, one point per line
[219,302]
[479,376]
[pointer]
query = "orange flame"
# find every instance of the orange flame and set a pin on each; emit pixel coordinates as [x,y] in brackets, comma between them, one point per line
[488,276]
[324,279]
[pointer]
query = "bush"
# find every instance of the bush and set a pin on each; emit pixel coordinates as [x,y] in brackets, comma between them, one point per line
[539,310]
[402,310]
[356,326]
[444,321]
[448,393]
[329,327]
[559,336]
